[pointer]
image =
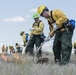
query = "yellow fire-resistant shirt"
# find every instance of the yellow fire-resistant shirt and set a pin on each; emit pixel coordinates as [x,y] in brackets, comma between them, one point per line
[59,17]
[38,28]
[24,38]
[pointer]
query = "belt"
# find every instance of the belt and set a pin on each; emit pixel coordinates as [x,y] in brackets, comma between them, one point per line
[63,26]
[36,35]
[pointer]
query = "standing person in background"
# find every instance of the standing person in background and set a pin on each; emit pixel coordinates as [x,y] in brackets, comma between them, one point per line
[74,47]
[6,48]
[12,50]
[3,48]
[19,50]
[24,37]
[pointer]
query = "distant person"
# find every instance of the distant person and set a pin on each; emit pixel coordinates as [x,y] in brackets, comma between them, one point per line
[60,27]
[35,35]
[19,50]
[12,50]
[6,49]
[3,48]
[74,47]
[24,37]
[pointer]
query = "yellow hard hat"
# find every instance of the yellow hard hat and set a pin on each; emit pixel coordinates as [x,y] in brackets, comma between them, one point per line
[41,9]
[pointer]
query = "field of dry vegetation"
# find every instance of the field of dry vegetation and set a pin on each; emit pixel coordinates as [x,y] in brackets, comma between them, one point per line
[29,67]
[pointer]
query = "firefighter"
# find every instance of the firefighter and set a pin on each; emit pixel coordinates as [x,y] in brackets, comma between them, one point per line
[19,50]
[6,48]
[24,37]
[62,45]
[35,35]
[3,48]
[74,47]
[12,50]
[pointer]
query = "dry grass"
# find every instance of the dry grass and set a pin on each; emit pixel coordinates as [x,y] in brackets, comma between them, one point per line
[31,68]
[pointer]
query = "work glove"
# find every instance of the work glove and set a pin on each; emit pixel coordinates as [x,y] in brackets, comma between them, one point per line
[47,39]
[55,27]
[31,29]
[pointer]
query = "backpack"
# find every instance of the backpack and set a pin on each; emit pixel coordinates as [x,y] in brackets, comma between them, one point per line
[27,37]
[71,24]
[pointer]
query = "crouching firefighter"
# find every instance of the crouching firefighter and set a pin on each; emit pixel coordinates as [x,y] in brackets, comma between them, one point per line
[59,26]
[24,37]
[35,35]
